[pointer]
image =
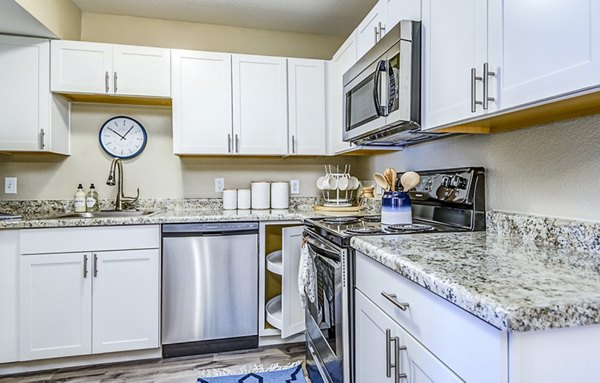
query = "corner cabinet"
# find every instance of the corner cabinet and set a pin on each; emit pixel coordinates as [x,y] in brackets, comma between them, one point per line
[306,114]
[107,69]
[202,108]
[260,108]
[75,300]
[33,120]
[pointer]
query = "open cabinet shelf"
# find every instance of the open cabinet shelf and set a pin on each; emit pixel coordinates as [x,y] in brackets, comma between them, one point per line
[274,314]
[275,262]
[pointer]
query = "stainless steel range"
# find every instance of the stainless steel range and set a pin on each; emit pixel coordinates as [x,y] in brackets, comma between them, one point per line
[450,200]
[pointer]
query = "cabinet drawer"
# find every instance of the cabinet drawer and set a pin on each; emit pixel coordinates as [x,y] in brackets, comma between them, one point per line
[472,348]
[67,240]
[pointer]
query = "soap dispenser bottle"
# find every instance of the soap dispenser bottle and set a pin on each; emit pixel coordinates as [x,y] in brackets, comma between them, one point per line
[92,202]
[80,200]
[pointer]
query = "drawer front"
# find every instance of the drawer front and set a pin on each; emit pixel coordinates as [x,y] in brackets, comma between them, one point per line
[474,349]
[68,240]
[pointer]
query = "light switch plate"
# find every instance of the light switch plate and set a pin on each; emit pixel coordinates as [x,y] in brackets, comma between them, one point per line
[10,185]
[295,187]
[219,185]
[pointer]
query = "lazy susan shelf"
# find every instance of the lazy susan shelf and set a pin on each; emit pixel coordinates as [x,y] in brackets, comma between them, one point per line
[275,263]
[274,315]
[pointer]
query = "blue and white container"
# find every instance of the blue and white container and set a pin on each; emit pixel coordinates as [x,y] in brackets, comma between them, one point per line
[396,208]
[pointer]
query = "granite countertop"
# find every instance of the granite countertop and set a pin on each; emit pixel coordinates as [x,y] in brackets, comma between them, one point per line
[509,284]
[169,216]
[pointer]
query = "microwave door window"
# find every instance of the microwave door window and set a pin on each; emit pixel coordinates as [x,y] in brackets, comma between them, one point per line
[360,104]
[393,83]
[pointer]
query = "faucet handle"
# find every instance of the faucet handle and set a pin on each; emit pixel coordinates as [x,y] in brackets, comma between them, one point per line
[131,200]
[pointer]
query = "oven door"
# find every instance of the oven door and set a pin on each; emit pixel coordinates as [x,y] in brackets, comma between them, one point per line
[324,317]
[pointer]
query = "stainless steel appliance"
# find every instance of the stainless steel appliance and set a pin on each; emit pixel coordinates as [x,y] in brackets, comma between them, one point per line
[382,91]
[450,200]
[209,287]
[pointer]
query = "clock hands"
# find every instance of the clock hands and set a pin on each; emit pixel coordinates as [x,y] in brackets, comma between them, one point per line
[122,137]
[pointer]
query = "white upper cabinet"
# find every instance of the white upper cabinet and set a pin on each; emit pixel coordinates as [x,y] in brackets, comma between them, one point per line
[141,71]
[542,50]
[368,32]
[306,82]
[33,120]
[343,59]
[454,48]
[81,67]
[202,112]
[397,10]
[96,68]
[260,105]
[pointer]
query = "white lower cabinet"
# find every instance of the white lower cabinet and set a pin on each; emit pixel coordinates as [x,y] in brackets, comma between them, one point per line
[88,302]
[56,305]
[385,350]
[9,296]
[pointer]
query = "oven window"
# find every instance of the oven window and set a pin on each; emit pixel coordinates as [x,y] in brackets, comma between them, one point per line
[323,310]
[360,106]
[394,83]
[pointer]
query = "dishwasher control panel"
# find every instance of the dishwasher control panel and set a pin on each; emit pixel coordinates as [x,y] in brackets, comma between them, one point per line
[209,227]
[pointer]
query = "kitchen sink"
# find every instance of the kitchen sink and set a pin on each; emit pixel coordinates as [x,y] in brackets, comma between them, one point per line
[105,214]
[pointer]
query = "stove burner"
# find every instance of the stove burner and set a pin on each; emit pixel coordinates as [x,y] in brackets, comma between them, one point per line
[372,218]
[341,220]
[363,230]
[415,227]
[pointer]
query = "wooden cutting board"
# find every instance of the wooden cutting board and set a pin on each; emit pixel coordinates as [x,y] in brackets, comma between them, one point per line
[339,209]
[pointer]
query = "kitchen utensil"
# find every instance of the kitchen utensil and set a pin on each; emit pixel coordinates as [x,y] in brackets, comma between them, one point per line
[367,192]
[381,181]
[394,176]
[396,208]
[409,180]
[387,173]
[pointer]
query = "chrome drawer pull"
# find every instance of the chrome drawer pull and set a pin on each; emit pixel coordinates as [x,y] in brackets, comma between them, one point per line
[394,299]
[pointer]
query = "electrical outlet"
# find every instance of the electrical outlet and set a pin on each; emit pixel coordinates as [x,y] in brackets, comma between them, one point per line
[10,185]
[295,187]
[219,185]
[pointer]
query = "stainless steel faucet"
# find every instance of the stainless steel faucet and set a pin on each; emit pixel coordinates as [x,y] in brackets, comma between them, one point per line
[116,176]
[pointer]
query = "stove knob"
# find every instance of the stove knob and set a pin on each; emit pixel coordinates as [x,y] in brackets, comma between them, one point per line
[458,182]
[446,182]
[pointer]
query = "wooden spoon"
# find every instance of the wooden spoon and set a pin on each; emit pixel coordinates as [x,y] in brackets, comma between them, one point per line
[381,181]
[394,179]
[387,173]
[409,180]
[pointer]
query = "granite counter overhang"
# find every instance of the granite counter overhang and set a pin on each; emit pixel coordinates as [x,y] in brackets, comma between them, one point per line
[510,285]
[164,217]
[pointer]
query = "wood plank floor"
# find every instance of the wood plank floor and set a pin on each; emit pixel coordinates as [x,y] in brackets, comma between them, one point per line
[176,370]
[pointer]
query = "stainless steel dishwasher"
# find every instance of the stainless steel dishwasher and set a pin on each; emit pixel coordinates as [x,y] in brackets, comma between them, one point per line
[209,287]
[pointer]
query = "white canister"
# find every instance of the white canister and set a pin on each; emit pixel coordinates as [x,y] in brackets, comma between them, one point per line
[280,195]
[261,195]
[243,199]
[229,199]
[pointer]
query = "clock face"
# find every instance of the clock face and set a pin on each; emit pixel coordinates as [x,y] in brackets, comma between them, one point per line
[123,137]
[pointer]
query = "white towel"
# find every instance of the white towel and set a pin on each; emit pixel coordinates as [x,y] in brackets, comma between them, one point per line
[306,276]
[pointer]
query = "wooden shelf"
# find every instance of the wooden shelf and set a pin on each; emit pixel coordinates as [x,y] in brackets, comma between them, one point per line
[116,99]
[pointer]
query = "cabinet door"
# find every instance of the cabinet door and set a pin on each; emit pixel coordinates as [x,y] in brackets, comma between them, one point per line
[80,67]
[126,300]
[397,10]
[202,122]
[367,32]
[9,295]
[55,305]
[540,52]
[454,42]
[344,58]
[25,100]
[306,79]
[260,105]
[375,333]
[141,71]
[292,310]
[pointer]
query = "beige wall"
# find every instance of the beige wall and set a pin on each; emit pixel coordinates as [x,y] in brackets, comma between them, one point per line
[185,35]
[62,17]
[157,172]
[551,170]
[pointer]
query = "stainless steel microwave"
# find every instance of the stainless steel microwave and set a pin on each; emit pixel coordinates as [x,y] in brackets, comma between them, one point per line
[382,91]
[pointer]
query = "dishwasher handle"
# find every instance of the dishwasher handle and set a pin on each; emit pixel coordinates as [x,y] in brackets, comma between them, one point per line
[209,229]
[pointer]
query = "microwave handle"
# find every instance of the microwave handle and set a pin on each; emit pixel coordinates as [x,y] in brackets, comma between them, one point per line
[376,100]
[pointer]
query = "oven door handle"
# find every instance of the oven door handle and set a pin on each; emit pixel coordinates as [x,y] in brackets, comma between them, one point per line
[318,363]
[327,250]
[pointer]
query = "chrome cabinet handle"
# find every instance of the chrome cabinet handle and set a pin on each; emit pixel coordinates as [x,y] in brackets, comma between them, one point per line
[106,76]
[388,353]
[229,143]
[474,101]
[95,265]
[237,144]
[85,267]
[115,82]
[399,375]
[293,144]
[381,30]
[486,85]
[394,299]
[376,34]
[42,139]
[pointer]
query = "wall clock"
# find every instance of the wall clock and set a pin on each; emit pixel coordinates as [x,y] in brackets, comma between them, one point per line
[123,137]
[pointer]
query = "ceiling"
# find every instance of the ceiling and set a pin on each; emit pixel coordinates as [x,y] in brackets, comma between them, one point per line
[324,17]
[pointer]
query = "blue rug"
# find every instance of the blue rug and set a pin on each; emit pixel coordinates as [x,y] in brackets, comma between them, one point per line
[290,375]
